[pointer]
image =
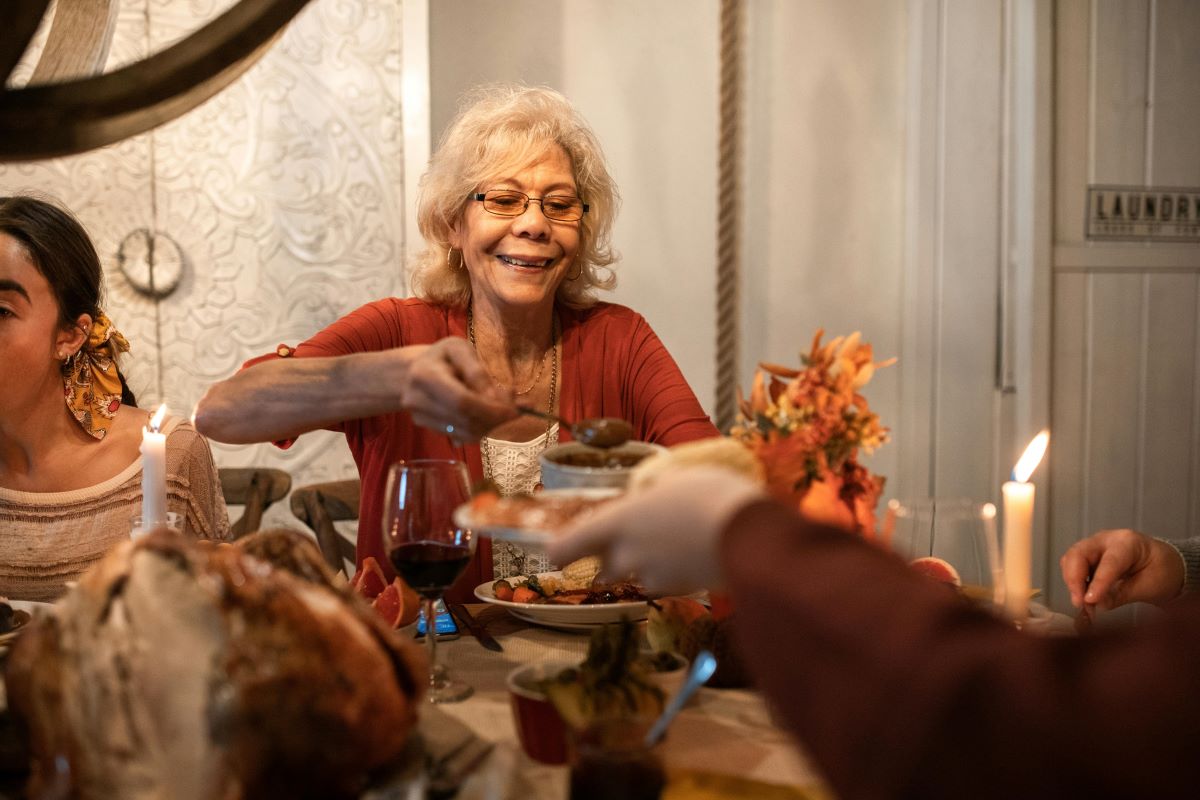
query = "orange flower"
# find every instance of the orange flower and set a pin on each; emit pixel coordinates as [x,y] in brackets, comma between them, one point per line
[806,427]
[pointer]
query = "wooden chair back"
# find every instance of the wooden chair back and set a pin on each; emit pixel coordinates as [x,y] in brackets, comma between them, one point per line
[255,489]
[318,506]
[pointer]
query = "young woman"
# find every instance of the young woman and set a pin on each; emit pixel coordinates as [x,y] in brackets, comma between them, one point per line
[70,470]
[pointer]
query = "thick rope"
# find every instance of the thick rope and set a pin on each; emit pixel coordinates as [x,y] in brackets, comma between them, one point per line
[729,211]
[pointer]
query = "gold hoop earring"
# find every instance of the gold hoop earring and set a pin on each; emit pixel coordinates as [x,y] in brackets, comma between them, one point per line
[578,273]
[450,265]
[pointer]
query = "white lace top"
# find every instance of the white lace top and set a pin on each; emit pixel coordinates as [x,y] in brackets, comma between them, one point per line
[514,468]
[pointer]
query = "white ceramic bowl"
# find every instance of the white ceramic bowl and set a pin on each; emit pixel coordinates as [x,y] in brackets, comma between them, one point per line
[670,680]
[557,475]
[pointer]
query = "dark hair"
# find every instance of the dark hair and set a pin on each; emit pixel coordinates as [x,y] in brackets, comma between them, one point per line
[63,253]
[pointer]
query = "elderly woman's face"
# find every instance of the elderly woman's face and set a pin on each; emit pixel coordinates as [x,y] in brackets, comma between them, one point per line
[521,260]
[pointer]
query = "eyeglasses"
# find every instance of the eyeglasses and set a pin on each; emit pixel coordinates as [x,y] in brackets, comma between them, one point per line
[510,203]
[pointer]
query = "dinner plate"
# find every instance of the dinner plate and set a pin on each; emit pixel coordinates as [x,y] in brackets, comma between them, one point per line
[569,627]
[565,617]
[526,535]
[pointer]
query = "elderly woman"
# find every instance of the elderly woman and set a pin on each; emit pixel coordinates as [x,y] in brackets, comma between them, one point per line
[70,473]
[517,207]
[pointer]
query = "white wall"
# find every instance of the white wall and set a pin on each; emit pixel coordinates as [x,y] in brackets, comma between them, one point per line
[825,185]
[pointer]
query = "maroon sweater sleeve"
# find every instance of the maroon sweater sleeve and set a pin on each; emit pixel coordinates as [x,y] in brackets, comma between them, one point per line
[898,688]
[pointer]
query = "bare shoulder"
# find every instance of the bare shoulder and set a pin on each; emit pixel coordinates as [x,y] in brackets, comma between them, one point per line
[125,433]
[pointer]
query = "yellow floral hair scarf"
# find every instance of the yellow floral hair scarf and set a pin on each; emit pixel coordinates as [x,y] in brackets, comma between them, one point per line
[90,376]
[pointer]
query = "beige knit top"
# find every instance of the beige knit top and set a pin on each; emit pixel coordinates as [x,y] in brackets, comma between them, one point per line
[49,538]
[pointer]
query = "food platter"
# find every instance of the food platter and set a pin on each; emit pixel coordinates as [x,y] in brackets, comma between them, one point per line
[545,512]
[565,617]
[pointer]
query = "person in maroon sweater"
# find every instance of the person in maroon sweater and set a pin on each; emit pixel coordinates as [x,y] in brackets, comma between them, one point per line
[516,208]
[894,685]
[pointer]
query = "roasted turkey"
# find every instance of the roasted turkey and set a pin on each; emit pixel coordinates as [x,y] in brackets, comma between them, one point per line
[192,671]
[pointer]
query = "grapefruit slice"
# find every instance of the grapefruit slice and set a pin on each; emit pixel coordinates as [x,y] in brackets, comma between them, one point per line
[369,581]
[938,569]
[397,604]
[389,604]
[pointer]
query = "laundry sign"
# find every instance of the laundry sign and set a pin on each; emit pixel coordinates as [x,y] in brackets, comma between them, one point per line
[1138,213]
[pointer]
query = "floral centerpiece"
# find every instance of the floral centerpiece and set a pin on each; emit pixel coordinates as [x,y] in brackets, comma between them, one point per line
[807,425]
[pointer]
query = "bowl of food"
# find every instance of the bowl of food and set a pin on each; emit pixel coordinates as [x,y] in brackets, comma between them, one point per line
[577,465]
[667,671]
[539,726]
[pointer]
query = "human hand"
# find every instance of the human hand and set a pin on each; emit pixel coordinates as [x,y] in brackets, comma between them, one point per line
[1125,567]
[666,534]
[447,389]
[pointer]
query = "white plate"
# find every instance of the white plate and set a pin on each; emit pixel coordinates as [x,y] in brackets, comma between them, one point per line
[528,536]
[567,617]
[569,627]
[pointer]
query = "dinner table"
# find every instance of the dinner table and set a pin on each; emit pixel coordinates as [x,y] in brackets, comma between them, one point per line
[725,742]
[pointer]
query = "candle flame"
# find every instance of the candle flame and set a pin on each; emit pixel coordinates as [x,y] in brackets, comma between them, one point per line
[1031,457]
[156,421]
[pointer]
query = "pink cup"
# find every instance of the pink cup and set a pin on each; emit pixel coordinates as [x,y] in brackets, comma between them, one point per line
[541,730]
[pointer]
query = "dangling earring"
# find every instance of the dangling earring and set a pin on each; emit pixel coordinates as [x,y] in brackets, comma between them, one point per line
[449,264]
[578,273]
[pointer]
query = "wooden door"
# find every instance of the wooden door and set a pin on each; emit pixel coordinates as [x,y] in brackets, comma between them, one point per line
[1126,330]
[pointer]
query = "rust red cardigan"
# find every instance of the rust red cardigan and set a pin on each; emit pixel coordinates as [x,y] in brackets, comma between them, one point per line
[613,365]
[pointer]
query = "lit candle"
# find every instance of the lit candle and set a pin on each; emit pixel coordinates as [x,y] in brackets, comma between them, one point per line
[1018,529]
[154,472]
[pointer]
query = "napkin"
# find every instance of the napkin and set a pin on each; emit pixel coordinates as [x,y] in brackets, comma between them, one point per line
[452,751]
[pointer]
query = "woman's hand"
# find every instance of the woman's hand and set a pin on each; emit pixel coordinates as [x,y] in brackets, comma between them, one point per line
[666,535]
[1124,567]
[447,389]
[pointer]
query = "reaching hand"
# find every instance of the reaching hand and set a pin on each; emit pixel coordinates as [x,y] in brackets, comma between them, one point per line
[447,389]
[1125,567]
[667,534]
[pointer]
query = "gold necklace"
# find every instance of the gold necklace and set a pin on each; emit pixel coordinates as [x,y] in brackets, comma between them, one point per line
[484,445]
[532,383]
[516,393]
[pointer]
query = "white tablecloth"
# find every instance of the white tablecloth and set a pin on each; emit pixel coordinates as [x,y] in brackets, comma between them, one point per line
[721,730]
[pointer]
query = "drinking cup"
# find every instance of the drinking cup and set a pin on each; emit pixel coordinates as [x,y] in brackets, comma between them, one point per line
[932,533]
[610,761]
[172,523]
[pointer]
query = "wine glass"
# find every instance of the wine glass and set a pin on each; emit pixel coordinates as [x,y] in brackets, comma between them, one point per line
[426,547]
[956,531]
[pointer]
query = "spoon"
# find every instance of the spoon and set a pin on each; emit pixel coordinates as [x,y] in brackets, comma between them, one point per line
[702,669]
[599,432]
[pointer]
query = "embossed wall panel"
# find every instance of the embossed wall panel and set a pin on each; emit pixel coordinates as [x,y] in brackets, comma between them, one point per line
[283,196]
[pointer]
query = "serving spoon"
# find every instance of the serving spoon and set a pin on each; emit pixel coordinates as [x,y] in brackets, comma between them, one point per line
[598,432]
[702,669]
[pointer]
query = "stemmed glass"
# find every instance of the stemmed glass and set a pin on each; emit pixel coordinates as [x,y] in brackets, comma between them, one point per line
[426,547]
[958,531]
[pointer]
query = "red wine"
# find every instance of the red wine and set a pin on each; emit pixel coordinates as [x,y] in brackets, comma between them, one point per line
[429,567]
